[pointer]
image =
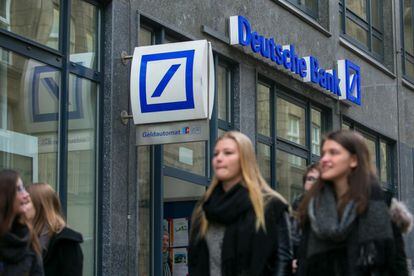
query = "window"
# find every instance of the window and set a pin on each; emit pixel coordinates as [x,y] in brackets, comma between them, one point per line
[288,137]
[381,153]
[30,20]
[308,6]
[408,39]
[224,94]
[49,112]
[362,22]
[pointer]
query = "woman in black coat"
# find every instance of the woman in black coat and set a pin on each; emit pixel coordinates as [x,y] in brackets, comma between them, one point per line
[19,248]
[240,226]
[347,226]
[62,254]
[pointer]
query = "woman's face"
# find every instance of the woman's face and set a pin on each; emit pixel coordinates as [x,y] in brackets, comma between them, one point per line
[22,198]
[226,161]
[311,178]
[29,210]
[336,162]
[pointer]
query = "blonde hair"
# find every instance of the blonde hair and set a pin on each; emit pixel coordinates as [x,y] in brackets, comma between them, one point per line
[48,209]
[257,187]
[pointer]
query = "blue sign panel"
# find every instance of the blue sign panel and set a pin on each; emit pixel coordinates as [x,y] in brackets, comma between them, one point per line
[188,103]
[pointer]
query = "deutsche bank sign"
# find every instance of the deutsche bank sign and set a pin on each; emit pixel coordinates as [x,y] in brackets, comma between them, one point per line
[172,82]
[345,81]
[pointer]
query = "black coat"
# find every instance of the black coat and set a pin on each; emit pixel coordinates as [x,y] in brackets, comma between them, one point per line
[16,256]
[64,255]
[269,254]
[394,262]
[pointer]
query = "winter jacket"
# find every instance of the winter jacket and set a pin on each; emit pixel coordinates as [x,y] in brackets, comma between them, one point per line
[64,256]
[16,255]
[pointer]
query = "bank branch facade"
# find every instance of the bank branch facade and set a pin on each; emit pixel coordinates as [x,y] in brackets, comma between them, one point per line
[74,74]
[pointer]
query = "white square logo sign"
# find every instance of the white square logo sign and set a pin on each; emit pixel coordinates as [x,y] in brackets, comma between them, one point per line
[172,82]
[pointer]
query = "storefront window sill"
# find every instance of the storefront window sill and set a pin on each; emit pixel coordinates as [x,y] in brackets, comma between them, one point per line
[303,16]
[366,57]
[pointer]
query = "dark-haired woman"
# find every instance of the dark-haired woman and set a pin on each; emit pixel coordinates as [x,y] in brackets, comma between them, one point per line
[19,248]
[347,226]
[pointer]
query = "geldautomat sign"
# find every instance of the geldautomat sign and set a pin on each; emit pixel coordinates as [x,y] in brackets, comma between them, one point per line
[343,81]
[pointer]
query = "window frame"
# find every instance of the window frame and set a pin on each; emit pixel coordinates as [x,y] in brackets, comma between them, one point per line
[59,59]
[276,142]
[390,185]
[312,13]
[367,25]
[406,56]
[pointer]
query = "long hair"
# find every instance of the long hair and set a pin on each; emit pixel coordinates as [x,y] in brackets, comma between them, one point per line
[360,178]
[48,209]
[8,216]
[252,180]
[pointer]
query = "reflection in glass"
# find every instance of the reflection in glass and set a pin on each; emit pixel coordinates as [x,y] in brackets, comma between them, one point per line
[84,34]
[408,27]
[177,189]
[359,7]
[29,104]
[370,142]
[356,32]
[82,164]
[264,160]
[384,161]
[376,14]
[316,128]
[145,37]
[289,172]
[37,20]
[223,92]
[291,122]
[263,109]
[186,156]
[144,210]
[345,126]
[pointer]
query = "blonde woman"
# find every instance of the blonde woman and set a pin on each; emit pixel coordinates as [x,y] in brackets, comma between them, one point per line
[240,226]
[62,254]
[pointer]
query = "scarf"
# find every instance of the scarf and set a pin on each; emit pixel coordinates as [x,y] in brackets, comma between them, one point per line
[229,208]
[366,238]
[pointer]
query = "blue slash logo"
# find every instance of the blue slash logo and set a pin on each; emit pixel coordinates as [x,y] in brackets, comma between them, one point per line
[185,88]
[163,83]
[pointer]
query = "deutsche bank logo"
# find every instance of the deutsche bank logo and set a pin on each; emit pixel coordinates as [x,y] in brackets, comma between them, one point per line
[350,85]
[176,74]
[45,96]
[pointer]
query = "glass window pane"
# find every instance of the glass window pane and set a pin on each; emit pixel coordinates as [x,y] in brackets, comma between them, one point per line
[316,130]
[187,156]
[354,30]
[346,126]
[384,160]
[264,160]
[180,198]
[376,14]
[144,210]
[359,7]
[263,109]
[145,37]
[408,27]
[370,142]
[289,172]
[223,92]
[377,46]
[28,128]
[84,34]
[82,115]
[220,132]
[409,68]
[311,5]
[291,122]
[38,21]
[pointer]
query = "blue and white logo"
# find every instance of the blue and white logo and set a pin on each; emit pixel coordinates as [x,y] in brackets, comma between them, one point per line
[166,81]
[350,74]
[172,82]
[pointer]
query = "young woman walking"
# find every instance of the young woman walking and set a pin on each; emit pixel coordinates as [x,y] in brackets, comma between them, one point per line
[347,226]
[240,226]
[62,254]
[19,248]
